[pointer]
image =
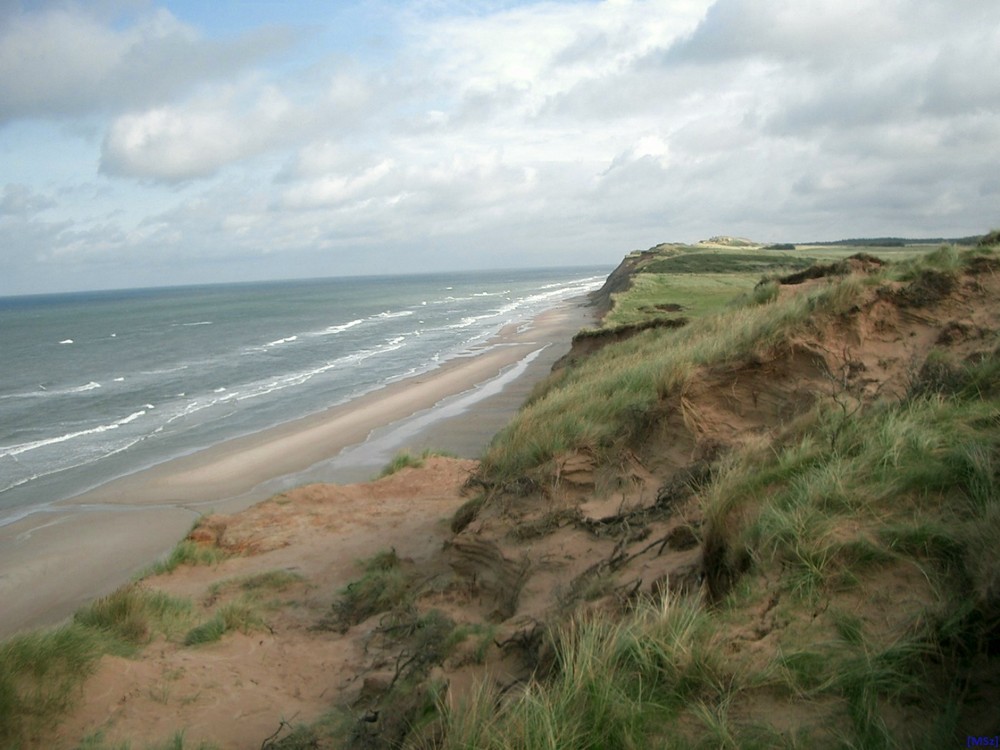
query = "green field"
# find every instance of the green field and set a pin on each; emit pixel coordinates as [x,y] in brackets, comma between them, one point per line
[691,281]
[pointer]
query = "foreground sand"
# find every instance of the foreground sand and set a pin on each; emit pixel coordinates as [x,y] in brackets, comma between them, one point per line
[53,562]
[236,692]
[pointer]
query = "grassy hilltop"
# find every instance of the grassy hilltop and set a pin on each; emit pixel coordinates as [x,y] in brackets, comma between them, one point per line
[828,440]
[755,507]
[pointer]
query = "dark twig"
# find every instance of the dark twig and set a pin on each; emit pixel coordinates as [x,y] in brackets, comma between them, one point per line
[269,741]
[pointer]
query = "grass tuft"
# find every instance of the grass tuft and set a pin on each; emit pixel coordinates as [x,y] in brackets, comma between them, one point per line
[406,460]
[41,671]
[615,682]
[131,614]
[242,614]
[382,587]
[187,552]
[269,580]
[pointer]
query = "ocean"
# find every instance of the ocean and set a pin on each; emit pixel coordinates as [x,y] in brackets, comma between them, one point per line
[98,385]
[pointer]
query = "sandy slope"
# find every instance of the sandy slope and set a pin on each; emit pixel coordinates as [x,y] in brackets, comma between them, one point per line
[237,691]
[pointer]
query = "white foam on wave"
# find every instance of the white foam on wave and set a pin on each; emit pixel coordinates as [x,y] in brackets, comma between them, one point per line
[66,341]
[257,389]
[553,293]
[343,327]
[279,342]
[44,392]
[17,450]
[472,320]
[16,483]
[165,371]
[198,323]
[517,310]
[390,314]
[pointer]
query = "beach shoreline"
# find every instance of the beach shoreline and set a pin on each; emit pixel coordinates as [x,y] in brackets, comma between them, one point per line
[55,560]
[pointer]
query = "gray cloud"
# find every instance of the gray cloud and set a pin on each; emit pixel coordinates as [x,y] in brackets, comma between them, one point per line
[21,200]
[64,61]
[816,33]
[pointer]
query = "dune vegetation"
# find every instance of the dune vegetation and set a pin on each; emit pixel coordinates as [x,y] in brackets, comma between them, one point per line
[848,595]
[41,671]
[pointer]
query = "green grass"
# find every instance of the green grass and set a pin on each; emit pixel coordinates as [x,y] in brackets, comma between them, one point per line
[756,262]
[831,501]
[909,483]
[383,586]
[187,552]
[696,295]
[268,580]
[702,281]
[243,614]
[132,615]
[612,400]
[41,672]
[406,460]
[615,684]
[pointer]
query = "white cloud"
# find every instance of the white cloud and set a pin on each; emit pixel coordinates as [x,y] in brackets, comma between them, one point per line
[521,58]
[334,189]
[178,143]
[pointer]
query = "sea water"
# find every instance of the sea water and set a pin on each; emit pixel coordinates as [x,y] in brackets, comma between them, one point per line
[98,385]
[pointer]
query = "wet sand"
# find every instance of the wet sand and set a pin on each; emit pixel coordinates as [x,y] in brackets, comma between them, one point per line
[54,561]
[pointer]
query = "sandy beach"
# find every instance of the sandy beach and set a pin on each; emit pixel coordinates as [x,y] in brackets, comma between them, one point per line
[53,561]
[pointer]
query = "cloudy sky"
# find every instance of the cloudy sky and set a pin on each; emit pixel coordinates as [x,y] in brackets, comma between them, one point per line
[183,141]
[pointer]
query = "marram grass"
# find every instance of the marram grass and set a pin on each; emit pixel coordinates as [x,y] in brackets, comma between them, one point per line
[242,614]
[617,680]
[187,552]
[404,459]
[612,398]
[41,671]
